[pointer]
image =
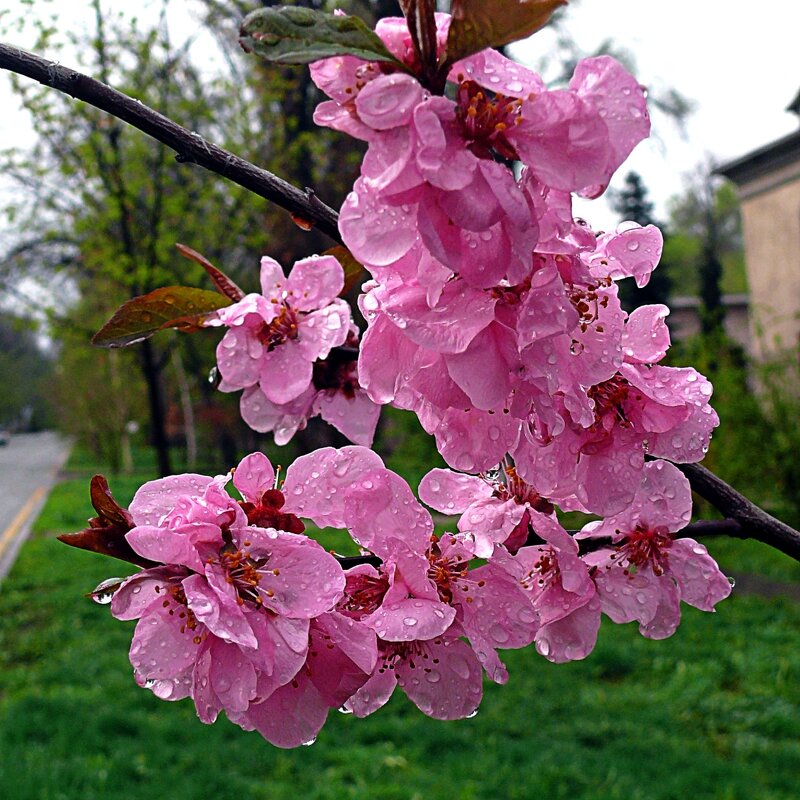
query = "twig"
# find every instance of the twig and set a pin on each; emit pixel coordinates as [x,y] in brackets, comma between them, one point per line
[703,527]
[190,147]
[753,522]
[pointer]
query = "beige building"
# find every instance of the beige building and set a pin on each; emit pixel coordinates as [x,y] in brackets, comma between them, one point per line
[768,182]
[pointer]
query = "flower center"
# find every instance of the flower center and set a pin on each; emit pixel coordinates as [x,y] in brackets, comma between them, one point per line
[646,546]
[523,492]
[485,120]
[448,573]
[588,301]
[242,573]
[363,594]
[283,327]
[543,572]
[609,398]
[175,600]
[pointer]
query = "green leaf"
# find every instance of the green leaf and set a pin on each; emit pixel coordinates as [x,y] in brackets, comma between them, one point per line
[294,35]
[478,24]
[181,307]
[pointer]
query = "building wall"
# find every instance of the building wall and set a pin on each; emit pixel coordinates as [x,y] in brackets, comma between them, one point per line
[771,226]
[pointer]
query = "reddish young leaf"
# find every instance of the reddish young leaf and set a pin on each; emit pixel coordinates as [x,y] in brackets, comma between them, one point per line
[181,307]
[302,222]
[106,531]
[223,283]
[478,24]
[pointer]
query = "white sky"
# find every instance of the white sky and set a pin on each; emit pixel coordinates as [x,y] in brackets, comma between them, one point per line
[739,62]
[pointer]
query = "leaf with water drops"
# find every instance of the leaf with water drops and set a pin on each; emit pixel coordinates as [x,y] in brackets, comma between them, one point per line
[478,24]
[293,35]
[182,307]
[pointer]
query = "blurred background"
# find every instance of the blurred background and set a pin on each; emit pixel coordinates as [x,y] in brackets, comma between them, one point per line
[91,211]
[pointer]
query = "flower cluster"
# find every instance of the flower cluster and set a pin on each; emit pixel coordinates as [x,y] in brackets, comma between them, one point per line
[279,348]
[243,612]
[492,314]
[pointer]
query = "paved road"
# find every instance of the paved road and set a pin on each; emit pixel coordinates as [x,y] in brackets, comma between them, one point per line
[28,467]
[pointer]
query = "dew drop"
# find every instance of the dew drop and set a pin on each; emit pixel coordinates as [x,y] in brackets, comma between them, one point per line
[103,593]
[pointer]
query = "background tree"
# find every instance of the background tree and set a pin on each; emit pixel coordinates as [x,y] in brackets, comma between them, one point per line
[27,369]
[109,204]
[706,244]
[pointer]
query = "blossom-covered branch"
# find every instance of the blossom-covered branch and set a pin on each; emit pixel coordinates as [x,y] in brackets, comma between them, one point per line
[746,520]
[190,147]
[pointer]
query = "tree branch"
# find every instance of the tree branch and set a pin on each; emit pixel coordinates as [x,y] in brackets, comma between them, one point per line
[190,147]
[753,522]
[703,527]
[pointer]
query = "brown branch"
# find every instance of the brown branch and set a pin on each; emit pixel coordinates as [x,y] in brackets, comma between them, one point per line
[753,522]
[703,527]
[190,147]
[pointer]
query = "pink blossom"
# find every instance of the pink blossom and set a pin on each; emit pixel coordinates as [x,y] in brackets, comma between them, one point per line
[560,590]
[226,619]
[493,507]
[441,676]
[334,394]
[650,571]
[341,657]
[274,338]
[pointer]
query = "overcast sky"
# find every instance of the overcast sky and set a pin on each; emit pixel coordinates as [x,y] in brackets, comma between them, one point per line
[739,62]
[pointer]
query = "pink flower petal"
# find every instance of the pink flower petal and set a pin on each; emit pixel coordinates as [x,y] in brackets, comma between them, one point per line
[310,479]
[217,610]
[381,507]
[411,619]
[452,492]
[389,101]
[449,689]
[254,476]
[356,417]
[646,337]
[156,498]
[571,638]
[315,282]
[292,715]
[700,580]
[284,375]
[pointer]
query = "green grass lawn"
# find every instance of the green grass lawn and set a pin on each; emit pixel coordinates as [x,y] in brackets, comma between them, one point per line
[713,712]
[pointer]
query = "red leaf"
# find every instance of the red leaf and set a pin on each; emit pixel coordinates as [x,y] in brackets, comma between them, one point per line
[223,283]
[181,307]
[478,24]
[106,531]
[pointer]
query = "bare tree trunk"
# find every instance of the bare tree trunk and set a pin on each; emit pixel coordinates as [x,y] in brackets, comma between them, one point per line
[157,405]
[189,426]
